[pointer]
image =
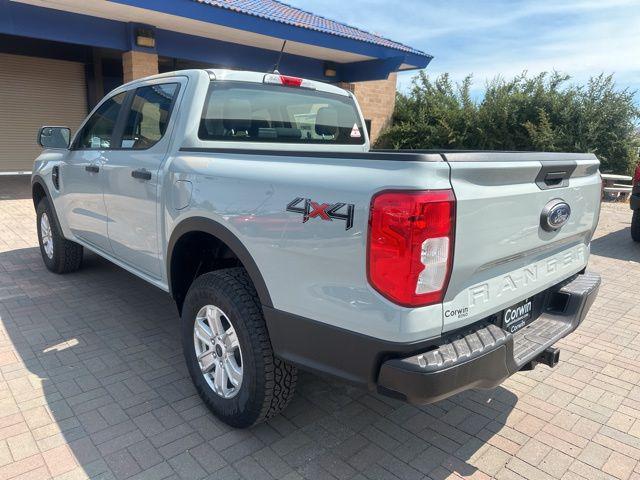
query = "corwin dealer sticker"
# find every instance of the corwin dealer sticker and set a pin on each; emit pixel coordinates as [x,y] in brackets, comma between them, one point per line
[355,131]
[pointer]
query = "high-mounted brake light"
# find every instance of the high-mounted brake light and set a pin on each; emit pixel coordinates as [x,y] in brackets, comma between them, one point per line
[290,81]
[410,245]
[636,175]
[286,80]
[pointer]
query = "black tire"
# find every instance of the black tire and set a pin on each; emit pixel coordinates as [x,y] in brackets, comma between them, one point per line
[635,226]
[268,383]
[67,255]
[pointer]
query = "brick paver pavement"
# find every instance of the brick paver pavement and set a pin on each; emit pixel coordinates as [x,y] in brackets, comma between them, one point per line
[93,384]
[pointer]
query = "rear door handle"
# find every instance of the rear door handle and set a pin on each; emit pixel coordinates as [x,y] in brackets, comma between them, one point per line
[141,174]
[92,168]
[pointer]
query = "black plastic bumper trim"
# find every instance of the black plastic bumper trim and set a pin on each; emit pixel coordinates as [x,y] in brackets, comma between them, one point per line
[335,351]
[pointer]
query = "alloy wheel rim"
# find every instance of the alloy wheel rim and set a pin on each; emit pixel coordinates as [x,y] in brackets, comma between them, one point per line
[46,236]
[218,351]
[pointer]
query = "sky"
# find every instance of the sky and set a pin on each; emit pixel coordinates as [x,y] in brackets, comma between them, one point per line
[504,37]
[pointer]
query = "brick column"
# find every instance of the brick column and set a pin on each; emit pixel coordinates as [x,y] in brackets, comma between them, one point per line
[136,64]
[377,99]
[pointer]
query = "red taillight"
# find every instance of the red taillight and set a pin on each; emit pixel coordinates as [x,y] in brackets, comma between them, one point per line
[636,175]
[411,245]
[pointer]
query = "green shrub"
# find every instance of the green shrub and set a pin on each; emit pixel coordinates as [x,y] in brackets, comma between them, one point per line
[542,112]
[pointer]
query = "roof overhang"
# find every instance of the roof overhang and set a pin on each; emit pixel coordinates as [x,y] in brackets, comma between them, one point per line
[190,30]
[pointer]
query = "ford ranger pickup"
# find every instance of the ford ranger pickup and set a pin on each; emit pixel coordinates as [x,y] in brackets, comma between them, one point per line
[255,201]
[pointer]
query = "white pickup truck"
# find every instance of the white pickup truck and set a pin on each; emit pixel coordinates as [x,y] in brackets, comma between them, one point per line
[255,200]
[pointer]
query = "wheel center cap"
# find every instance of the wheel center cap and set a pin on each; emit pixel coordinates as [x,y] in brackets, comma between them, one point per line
[218,350]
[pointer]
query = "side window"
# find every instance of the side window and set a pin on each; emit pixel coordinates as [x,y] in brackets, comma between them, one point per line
[149,115]
[98,130]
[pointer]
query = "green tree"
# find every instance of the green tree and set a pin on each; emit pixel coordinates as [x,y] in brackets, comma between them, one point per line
[543,112]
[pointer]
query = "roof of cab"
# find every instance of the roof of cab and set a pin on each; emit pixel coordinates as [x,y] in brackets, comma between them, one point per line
[221,74]
[258,77]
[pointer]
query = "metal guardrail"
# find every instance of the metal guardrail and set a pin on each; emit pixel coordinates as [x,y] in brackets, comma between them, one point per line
[613,190]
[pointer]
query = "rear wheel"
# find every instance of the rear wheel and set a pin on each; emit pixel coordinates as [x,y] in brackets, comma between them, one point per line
[228,351]
[59,254]
[635,226]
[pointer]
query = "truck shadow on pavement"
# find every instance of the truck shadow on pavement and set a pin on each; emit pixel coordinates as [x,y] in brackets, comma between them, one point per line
[92,376]
[617,244]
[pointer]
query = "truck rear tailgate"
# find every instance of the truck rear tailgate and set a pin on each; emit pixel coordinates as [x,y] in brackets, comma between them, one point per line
[503,254]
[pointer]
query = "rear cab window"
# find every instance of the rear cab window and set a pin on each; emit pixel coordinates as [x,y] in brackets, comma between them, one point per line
[148,116]
[237,111]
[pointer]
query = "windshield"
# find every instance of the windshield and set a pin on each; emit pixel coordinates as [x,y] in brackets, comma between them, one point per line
[253,112]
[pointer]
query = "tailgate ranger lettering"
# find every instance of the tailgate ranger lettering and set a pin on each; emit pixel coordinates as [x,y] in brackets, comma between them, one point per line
[528,276]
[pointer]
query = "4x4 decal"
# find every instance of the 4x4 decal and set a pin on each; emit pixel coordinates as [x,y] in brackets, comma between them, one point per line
[325,211]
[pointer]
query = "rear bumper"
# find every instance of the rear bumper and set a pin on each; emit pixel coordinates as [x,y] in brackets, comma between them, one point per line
[485,355]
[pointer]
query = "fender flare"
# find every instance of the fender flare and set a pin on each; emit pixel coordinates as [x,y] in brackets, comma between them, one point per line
[40,181]
[222,233]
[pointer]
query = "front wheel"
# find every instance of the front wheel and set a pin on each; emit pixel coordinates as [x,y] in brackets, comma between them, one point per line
[59,254]
[228,352]
[635,226]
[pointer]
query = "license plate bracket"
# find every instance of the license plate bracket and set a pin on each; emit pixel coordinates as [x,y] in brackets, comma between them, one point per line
[517,316]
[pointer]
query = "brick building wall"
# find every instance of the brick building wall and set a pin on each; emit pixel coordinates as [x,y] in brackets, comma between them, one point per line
[377,100]
[137,64]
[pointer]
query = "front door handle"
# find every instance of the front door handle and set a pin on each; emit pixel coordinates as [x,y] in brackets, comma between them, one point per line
[92,168]
[141,174]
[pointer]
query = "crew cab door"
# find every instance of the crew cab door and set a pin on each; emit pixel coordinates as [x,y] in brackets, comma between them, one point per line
[82,177]
[131,175]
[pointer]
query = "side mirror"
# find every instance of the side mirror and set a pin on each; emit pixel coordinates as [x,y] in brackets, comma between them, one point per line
[54,137]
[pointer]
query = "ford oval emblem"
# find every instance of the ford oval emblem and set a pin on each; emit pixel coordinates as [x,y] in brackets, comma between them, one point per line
[554,215]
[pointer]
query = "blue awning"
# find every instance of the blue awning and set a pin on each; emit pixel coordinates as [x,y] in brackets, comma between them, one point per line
[245,34]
